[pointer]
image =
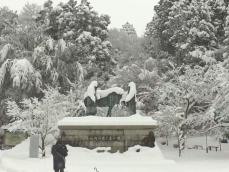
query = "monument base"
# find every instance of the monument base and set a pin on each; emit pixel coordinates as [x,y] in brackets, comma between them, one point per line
[119,133]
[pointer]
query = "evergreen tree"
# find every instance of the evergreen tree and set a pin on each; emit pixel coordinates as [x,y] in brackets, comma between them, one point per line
[8,21]
[29,14]
[84,31]
[218,7]
[158,27]
[226,40]
[188,30]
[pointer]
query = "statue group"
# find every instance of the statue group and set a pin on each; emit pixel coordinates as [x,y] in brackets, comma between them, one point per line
[95,97]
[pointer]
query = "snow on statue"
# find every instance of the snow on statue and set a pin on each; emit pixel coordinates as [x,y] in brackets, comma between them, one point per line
[94,97]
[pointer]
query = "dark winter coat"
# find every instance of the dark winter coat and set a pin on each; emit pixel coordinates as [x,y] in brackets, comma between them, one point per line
[59,152]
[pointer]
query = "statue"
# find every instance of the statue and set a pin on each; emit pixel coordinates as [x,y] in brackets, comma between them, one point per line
[94,98]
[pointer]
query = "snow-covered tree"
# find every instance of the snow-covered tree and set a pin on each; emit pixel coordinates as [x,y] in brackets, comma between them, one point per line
[219,9]
[147,81]
[192,89]
[219,108]
[29,13]
[169,123]
[19,74]
[41,116]
[84,31]
[188,27]
[55,61]
[8,21]
[157,29]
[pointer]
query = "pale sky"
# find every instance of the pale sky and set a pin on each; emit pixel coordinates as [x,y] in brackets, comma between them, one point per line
[136,12]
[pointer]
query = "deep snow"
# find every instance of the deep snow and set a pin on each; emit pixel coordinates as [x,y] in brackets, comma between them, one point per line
[81,159]
[159,159]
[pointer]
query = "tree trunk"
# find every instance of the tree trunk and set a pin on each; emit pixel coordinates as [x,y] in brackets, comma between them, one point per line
[179,147]
[167,141]
[43,147]
[220,147]
[183,127]
[206,143]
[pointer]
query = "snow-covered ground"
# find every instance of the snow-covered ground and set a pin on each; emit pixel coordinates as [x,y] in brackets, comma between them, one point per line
[159,159]
[198,160]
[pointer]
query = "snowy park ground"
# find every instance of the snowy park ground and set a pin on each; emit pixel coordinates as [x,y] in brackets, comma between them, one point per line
[159,159]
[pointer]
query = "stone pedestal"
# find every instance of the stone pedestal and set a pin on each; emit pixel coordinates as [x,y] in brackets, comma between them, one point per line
[118,136]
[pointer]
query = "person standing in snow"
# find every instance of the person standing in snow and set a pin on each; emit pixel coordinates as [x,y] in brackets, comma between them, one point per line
[59,152]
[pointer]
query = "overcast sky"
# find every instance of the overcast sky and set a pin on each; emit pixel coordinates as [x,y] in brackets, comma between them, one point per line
[137,12]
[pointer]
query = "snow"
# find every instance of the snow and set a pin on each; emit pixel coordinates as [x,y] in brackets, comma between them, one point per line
[133,120]
[132,92]
[160,159]
[82,159]
[20,70]
[84,34]
[104,93]
[62,45]
[4,51]
[38,51]
[80,72]
[3,70]
[50,44]
[91,90]
[184,46]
